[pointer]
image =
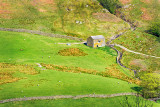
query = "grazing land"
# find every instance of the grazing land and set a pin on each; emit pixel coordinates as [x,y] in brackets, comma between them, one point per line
[39,65]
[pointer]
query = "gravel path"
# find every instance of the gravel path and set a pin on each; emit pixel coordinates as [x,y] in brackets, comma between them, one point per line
[66,97]
[134,51]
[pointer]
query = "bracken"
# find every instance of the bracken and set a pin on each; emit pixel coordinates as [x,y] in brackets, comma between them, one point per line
[72,52]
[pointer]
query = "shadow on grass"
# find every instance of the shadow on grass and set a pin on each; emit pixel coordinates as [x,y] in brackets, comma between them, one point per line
[137,89]
[108,50]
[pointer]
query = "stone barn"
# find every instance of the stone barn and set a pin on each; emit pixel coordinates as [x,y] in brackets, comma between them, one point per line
[96,41]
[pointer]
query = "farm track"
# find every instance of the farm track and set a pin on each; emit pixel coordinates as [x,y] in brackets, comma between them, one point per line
[66,97]
[134,51]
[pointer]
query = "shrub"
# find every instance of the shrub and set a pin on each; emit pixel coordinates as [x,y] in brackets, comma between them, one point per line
[154,29]
[151,85]
[111,5]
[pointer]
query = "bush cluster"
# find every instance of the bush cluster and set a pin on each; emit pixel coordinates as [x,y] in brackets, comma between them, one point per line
[111,5]
[154,29]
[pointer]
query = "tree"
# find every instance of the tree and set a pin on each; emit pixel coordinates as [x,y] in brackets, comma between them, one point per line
[150,85]
[111,5]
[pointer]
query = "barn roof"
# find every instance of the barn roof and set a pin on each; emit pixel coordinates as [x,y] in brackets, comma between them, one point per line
[97,37]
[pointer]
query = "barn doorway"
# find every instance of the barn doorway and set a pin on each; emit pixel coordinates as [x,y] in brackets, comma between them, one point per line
[97,46]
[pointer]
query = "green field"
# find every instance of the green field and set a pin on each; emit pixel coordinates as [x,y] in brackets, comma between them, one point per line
[22,48]
[85,102]
[63,83]
[35,65]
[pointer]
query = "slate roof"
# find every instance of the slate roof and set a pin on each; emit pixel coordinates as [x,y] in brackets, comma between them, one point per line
[97,37]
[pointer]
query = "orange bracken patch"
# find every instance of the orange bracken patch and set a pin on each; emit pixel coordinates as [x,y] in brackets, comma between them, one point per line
[50,3]
[7,72]
[125,1]
[72,52]
[146,1]
[110,72]
[106,17]
[43,2]
[42,10]
[139,63]
[5,10]
[145,15]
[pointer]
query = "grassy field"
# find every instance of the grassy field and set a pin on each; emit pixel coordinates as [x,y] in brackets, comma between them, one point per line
[23,49]
[49,82]
[20,75]
[85,102]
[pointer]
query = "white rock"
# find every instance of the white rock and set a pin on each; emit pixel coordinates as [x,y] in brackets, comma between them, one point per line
[80,22]
[68,44]
[77,21]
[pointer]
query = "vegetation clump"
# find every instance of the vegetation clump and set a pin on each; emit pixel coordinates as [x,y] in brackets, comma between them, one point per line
[7,72]
[111,5]
[110,72]
[151,85]
[72,52]
[155,29]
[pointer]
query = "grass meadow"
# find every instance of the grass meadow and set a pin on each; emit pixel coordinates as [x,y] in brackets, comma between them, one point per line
[85,102]
[21,50]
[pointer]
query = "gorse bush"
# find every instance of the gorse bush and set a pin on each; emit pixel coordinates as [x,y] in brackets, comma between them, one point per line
[111,5]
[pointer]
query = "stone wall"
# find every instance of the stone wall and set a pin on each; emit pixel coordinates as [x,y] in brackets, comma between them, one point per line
[41,33]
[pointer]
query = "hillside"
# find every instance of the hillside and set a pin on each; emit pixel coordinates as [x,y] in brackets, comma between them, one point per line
[44,57]
[81,18]
[140,12]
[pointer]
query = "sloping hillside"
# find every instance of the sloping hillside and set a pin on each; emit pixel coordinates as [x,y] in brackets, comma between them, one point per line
[140,12]
[80,18]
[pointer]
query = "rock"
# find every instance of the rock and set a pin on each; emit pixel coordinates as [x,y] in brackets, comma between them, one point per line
[80,22]
[77,21]
[126,6]
[105,10]
[68,44]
